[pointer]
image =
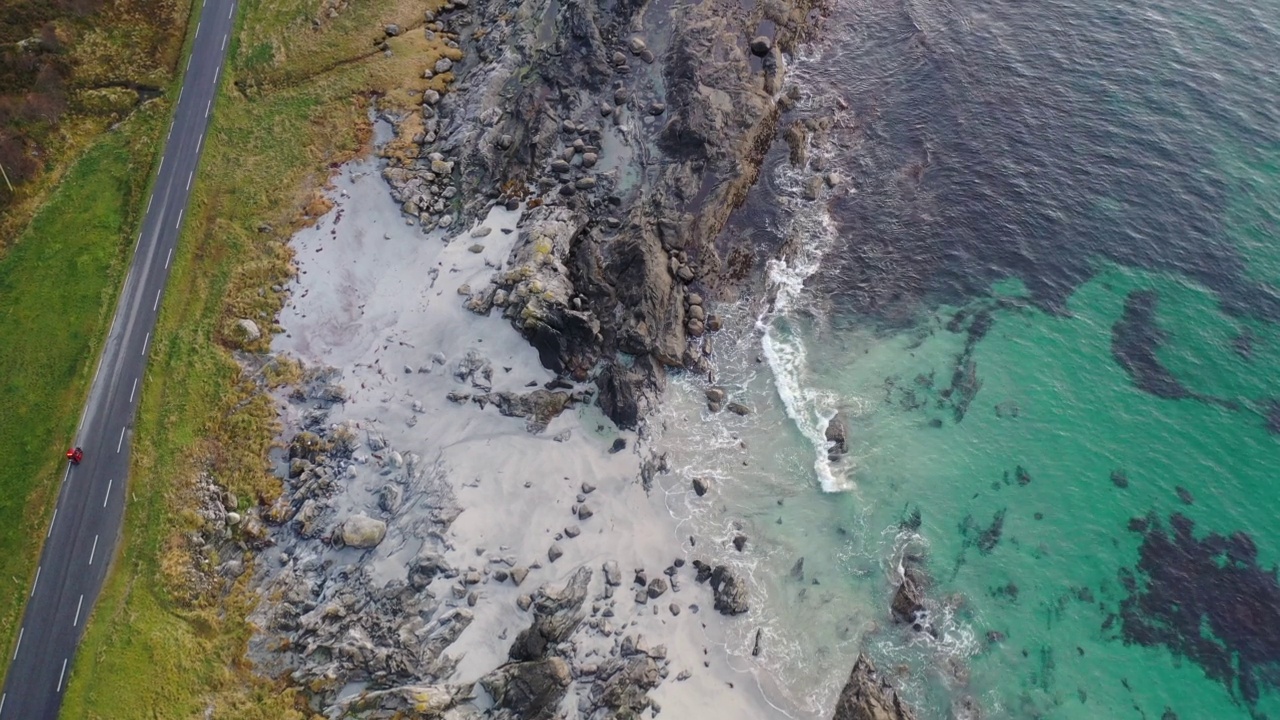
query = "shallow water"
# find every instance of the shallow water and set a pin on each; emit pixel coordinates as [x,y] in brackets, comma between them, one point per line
[1046,300]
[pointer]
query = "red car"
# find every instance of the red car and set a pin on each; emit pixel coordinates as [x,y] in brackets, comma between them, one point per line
[75,455]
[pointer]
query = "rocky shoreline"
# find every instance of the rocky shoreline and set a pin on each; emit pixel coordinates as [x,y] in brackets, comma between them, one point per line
[628,135]
[580,169]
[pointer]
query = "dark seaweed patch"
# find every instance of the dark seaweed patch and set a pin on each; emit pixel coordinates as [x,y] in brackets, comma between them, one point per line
[1205,599]
[1272,411]
[1119,478]
[1184,495]
[985,538]
[1023,477]
[1135,338]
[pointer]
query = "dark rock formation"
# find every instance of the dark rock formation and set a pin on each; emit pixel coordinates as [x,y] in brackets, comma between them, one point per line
[867,696]
[556,614]
[603,264]
[908,601]
[730,591]
[838,435]
[529,690]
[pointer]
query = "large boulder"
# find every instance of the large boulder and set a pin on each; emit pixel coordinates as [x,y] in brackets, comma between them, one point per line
[362,531]
[529,690]
[866,696]
[730,591]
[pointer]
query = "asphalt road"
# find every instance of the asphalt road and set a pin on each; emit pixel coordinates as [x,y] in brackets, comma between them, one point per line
[82,538]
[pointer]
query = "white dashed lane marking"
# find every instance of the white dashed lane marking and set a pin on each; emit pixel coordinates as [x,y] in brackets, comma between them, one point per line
[93,550]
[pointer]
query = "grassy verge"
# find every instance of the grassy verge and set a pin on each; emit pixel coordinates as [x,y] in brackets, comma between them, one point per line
[58,286]
[167,638]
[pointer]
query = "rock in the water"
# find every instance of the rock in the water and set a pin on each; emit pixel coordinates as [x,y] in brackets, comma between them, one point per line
[730,591]
[838,435]
[738,408]
[761,45]
[866,696]
[908,601]
[715,395]
[531,690]
[362,531]
[701,485]
[248,329]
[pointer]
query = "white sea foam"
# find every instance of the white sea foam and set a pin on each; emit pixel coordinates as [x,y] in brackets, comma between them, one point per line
[813,232]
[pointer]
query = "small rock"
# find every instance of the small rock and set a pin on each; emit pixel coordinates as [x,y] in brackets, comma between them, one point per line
[481,231]
[637,45]
[674,608]
[573,531]
[585,183]
[738,408]
[589,159]
[657,587]
[833,179]
[587,487]
[657,108]
[555,553]
[739,542]
[391,30]
[443,65]
[477,248]
[431,97]
[761,45]
[612,573]
[606,109]
[584,512]
[445,221]
[518,574]
[715,394]
[524,602]
[694,299]
[505,142]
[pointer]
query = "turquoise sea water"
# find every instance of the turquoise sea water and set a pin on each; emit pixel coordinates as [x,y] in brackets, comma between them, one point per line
[1049,310]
